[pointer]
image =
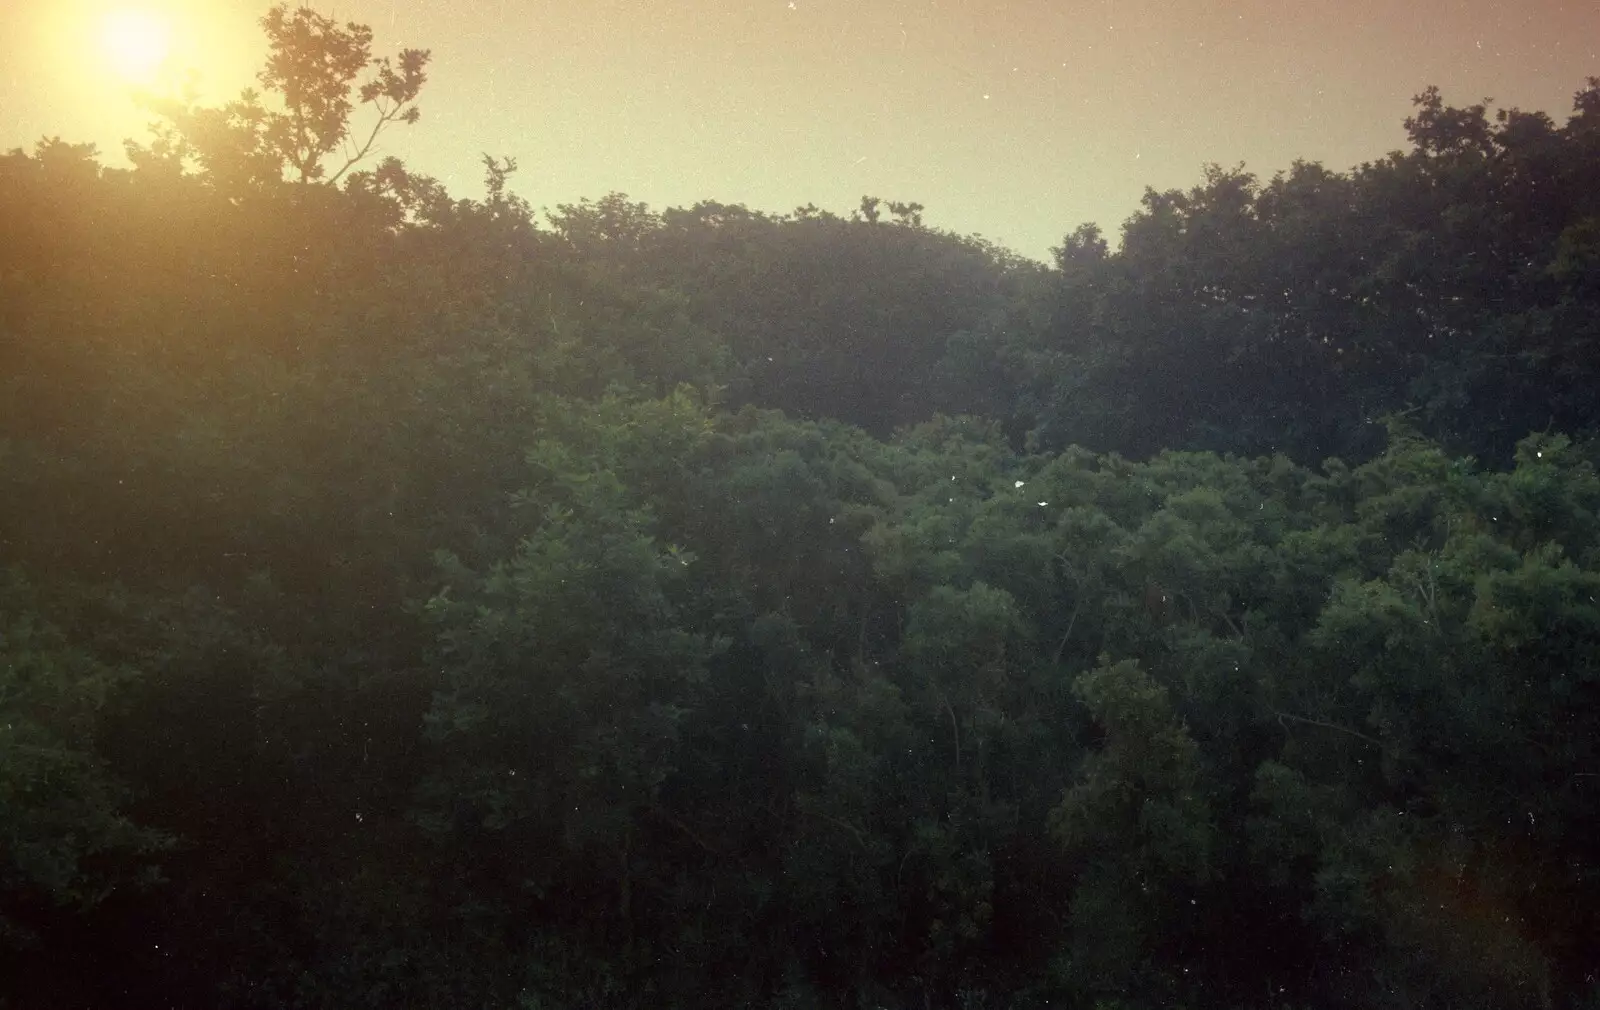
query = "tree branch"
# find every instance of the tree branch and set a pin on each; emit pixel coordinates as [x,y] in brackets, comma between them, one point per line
[1061,647]
[385,117]
[1326,725]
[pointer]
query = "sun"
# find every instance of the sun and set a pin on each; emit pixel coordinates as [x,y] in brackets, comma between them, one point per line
[135,44]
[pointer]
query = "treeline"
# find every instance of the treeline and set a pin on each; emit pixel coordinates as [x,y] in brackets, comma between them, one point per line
[409,602]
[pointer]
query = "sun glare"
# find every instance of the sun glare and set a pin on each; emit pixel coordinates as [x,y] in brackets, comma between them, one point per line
[135,44]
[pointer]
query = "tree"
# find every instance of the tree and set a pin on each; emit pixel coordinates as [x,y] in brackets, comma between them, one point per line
[1137,820]
[311,67]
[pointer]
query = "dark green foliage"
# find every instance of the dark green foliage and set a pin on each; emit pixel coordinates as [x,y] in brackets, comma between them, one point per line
[65,835]
[1283,316]
[424,607]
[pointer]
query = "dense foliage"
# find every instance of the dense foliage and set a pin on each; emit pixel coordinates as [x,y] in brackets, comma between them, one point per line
[408,603]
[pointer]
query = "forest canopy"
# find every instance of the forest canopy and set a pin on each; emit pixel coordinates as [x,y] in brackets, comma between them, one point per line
[416,601]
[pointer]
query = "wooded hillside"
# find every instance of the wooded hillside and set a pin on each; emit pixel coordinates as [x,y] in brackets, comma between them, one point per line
[409,601]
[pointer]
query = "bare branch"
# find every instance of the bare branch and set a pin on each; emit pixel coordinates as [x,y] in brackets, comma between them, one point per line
[1374,741]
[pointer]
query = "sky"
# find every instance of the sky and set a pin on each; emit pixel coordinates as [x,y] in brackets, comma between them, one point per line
[1014,119]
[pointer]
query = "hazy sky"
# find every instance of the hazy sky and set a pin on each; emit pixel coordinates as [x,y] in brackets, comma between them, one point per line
[1015,119]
